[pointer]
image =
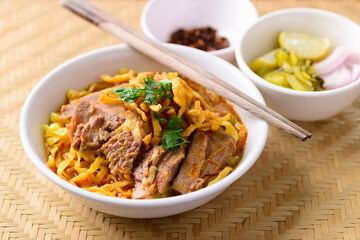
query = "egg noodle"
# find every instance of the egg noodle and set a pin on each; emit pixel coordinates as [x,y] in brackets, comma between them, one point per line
[92,172]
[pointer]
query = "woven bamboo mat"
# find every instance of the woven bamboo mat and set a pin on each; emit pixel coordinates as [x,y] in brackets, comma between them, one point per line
[294,191]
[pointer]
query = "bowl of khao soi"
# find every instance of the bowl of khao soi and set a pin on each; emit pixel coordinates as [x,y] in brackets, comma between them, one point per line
[144,142]
[144,135]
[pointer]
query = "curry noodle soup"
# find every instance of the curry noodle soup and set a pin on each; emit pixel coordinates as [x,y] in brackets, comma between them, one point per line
[144,135]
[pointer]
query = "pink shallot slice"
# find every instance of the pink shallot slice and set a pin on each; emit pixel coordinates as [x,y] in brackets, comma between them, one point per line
[338,78]
[334,61]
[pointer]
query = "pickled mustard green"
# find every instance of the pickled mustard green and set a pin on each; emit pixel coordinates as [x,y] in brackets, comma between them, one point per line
[286,69]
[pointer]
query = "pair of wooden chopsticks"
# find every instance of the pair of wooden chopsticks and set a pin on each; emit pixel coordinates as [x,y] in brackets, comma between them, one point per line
[160,53]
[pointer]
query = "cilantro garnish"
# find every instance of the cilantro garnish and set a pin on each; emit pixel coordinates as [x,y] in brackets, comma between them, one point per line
[172,137]
[166,108]
[166,84]
[152,91]
[174,123]
[157,117]
[128,94]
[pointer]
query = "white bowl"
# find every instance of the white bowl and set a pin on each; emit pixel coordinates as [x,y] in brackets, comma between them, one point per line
[79,73]
[261,37]
[160,18]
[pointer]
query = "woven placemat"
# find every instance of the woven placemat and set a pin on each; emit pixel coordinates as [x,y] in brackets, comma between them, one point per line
[294,191]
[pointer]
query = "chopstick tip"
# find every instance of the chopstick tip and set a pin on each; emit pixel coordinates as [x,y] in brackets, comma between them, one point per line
[307,134]
[306,137]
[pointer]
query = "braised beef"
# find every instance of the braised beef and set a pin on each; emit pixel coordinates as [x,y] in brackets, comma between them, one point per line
[89,137]
[207,150]
[188,177]
[144,185]
[97,128]
[141,192]
[168,167]
[151,158]
[197,184]
[221,146]
[67,111]
[124,144]
[80,111]
[121,150]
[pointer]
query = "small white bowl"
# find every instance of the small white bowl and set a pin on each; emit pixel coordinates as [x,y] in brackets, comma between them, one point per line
[160,18]
[80,72]
[261,37]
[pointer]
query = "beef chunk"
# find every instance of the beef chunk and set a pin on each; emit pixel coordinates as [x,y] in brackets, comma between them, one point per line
[89,137]
[111,130]
[168,167]
[92,123]
[67,111]
[221,146]
[113,114]
[197,184]
[144,184]
[80,111]
[121,150]
[141,192]
[188,178]
[151,158]
[124,144]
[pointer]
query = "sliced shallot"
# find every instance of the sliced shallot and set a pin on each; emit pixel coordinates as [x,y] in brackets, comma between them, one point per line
[332,62]
[354,57]
[355,70]
[338,78]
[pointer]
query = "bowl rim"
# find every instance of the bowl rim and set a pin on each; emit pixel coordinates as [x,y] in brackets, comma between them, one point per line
[260,81]
[231,48]
[145,203]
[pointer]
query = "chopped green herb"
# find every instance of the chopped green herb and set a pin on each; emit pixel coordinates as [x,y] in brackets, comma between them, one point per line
[166,84]
[172,137]
[150,83]
[150,97]
[157,117]
[152,91]
[163,108]
[128,94]
[174,123]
